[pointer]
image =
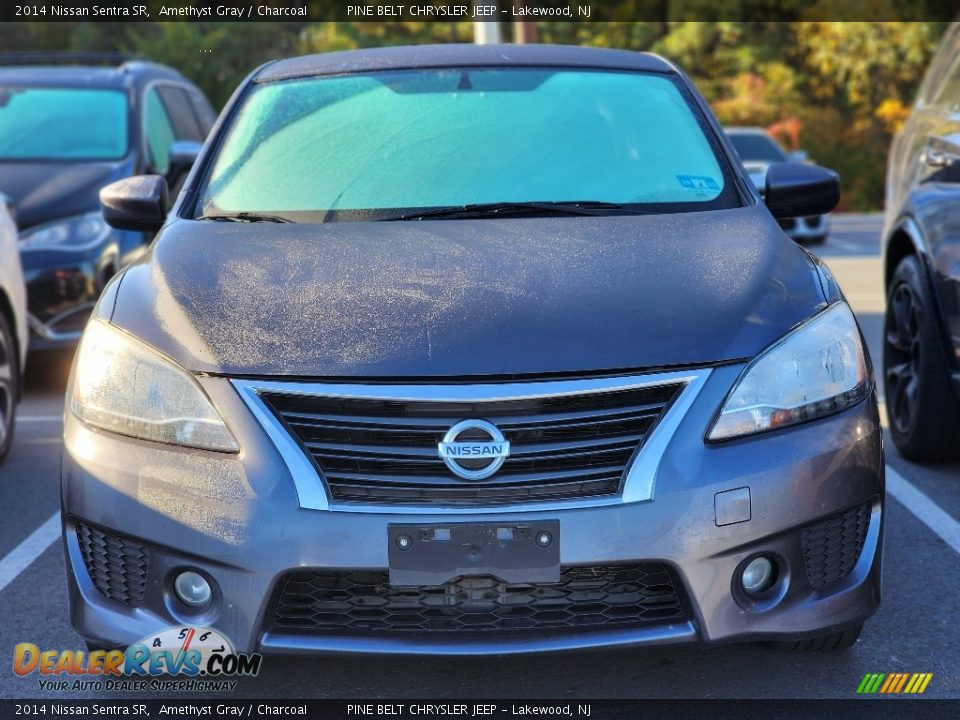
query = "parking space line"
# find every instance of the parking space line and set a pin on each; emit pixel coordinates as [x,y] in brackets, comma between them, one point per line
[846,245]
[923,508]
[32,547]
[39,418]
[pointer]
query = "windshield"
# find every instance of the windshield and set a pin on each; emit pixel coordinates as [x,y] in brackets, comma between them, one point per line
[367,146]
[48,123]
[757,148]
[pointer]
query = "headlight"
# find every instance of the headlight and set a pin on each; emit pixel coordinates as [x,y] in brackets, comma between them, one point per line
[123,386]
[74,233]
[815,370]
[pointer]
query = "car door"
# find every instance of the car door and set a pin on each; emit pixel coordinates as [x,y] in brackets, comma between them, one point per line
[935,194]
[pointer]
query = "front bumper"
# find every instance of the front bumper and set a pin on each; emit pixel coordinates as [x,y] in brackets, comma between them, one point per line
[62,288]
[813,227]
[237,519]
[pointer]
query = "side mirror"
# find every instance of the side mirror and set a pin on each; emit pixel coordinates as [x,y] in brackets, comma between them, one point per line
[796,189]
[136,203]
[183,154]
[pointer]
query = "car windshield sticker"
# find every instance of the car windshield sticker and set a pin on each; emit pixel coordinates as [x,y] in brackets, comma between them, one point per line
[698,182]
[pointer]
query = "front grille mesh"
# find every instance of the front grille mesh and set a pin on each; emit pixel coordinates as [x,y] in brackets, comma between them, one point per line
[117,566]
[385,451]
[362,602]
[832,547]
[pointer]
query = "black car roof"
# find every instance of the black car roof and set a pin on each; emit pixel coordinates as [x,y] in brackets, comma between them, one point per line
[427,56]
[85,75]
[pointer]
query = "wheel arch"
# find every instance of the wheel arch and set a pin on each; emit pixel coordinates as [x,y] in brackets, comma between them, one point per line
[6,309]
[904,240]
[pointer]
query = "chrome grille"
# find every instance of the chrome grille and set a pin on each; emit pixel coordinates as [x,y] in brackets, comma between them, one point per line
[385,450]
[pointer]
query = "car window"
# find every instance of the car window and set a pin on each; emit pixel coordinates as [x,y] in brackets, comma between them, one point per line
[160,133]
[940,67]
[203,110]
[947,94]
[450,137]
[33,119]
[186,125]
[756,147]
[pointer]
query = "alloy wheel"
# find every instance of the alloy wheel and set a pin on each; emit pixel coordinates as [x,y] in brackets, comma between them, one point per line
[903,348]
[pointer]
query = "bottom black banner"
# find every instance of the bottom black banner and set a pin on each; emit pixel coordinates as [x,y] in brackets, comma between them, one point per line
[915,709]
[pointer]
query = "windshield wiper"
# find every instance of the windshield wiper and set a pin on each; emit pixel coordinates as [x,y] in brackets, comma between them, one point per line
[577,207]
[245,217]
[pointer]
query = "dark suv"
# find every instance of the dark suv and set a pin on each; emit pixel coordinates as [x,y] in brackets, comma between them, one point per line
[921,354]
[70,124]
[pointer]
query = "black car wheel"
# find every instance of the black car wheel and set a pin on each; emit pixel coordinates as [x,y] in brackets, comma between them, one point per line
[9,386]
[921,405]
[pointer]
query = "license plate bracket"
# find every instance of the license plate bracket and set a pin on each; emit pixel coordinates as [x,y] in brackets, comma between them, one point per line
[434,554]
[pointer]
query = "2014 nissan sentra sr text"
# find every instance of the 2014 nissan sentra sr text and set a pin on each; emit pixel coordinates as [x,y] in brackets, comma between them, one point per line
[472,349]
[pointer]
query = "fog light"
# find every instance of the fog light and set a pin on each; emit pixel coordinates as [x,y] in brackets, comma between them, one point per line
[757,576]
[192,589]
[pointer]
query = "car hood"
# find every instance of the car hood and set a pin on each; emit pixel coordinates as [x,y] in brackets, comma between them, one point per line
[460,298]
[44,191]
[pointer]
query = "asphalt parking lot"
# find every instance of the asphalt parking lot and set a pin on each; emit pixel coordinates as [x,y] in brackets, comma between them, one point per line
[914,631]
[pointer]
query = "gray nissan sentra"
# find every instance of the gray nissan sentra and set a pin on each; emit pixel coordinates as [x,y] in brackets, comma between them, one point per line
[472,349]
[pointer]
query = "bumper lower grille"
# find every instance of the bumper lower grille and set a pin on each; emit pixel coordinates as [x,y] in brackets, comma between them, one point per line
[832,547]
[385,451]
[359,602]
[117,566]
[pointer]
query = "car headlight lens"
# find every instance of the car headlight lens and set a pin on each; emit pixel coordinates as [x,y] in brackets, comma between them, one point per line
[815,370]
[75,233]
[123,386]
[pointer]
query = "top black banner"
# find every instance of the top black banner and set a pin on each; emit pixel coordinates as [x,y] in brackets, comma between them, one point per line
[479,10]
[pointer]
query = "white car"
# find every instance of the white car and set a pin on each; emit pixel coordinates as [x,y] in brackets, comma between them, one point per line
[13,324]
[758,151]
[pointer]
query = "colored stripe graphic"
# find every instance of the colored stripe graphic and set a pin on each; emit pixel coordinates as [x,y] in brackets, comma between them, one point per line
[903,681]
[894,683]
[892,680]
[870,683]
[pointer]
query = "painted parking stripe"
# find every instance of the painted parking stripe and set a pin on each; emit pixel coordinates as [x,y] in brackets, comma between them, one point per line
[32,547]
[923,508]
[39,418]
[846,245]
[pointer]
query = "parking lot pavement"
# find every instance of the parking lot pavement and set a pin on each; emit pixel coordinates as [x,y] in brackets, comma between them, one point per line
[914,630]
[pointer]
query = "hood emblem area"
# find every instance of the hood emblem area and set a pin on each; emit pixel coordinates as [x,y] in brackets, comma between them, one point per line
[474,449]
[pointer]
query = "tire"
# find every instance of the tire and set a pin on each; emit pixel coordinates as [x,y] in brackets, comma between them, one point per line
[841,640]
[922,407]
[815,240]
[9,386]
